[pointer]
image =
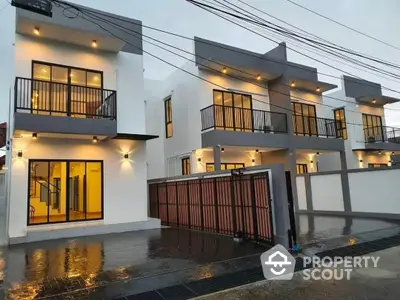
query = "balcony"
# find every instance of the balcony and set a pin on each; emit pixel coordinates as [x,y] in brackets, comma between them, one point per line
[382,134]
[42,106]
[220,117]
[316,127]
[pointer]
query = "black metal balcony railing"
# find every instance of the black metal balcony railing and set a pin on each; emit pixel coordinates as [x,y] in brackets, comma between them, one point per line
[243,119]
[382,134]
[59,99]
[314,126]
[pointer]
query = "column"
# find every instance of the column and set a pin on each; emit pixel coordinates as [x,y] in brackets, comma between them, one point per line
[217,158]
[345,182]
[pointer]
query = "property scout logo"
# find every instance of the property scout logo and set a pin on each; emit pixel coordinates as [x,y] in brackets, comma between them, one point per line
[279,264]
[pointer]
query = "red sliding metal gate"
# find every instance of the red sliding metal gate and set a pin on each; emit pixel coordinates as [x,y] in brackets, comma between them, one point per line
[237,204]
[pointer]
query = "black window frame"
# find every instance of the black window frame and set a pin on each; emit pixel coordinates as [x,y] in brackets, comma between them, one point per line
[241,165]
[377,165]
[302,167]
[68,67]
[185,164]
[168,117]
[304,131]
[67,161]
[341,125]
[372,128]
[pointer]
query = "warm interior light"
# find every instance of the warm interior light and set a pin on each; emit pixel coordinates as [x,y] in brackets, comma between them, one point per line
[94,44]
[95,139]
[258,77]
[44,70]
[224,70]
[318,89]
[293,84]
[95,78]
[36,31]
[373,100]
[34,136]
[71,75]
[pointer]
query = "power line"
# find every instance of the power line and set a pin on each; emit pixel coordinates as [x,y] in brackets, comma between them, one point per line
[344,25]
[208,7]
[199,77]
[225,47]
[257,33]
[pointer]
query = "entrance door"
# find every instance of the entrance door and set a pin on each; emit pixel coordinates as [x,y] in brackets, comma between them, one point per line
[65,191]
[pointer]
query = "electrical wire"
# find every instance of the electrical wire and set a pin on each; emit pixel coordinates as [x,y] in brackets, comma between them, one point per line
[199,77]
[344,25]
[221,46]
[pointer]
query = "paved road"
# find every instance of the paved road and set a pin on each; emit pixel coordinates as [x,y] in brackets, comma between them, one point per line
[365,284]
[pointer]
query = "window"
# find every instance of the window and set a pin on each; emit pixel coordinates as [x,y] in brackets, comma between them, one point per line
[340,119]
[186,166]
[64,90]
[373,130]
[304,119]
[233,111]
[301,168]
[224,166]
[377,165]
[168,118]
[65,191]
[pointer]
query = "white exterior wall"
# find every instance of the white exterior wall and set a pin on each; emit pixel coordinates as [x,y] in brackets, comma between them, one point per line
[383,198]
[125,187]
[189,95]
[301,192]
[328,197]
[122,72]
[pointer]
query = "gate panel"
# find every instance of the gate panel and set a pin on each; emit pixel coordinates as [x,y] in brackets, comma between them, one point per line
[226,205]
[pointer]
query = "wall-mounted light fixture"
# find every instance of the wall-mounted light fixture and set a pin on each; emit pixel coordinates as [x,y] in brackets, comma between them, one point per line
[257,150]
[222,149]
[36,31]
[311,161]
[259,77]
[95,139]
[318,89]
[126,156]
[293,84]
[224,70]
[360,160]
[19,154]
[317,153]
[392,152]
[94,44]
[199,159]
[373,100]
[34,136]
[253,160]
[379,152]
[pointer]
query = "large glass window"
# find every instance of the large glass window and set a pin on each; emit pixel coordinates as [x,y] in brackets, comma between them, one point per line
[340,118]
[373,130]
[168,118]
[372,166]
[304,119]
[224,166]
[64,191]
[63,90]
[233,111]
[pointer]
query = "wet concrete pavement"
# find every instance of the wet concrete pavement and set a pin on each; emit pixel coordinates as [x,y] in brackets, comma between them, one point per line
[111,266]
[365,284]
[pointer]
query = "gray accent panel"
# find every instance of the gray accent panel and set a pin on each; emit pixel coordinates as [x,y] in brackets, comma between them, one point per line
[383,146]
[244,139]
[85,230]
[251,62]
[345,182]
[301,72]
[55,124]
[307,183]
[354,87]
[217,158]
[316,143]
[59,19]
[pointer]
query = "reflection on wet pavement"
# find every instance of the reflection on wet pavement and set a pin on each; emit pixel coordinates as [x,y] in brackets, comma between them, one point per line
[118,265]
[319,233]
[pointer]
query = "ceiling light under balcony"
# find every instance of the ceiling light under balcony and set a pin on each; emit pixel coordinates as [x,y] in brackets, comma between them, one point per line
[318,89]
[94,44]
[36,31]
[95,139]
[224,70]
[34,136]
[259,77]
[293,84]
[373,100]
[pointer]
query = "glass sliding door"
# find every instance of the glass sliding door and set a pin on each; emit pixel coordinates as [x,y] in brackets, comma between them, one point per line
[65,191]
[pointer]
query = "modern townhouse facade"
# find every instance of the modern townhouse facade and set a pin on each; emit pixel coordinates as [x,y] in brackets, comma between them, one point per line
[249,109]
[359,107]
[77,139]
